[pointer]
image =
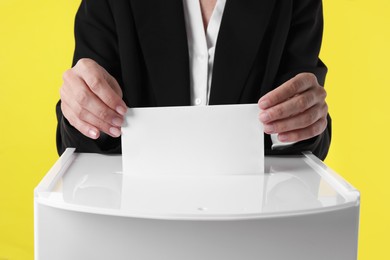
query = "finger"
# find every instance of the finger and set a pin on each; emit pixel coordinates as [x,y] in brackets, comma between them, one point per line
[306,133]
[78,95]
[96,79]
[81,113]
[88,124]
[295,105]
[91,119]
[300,121]
[83,127]
[287,90]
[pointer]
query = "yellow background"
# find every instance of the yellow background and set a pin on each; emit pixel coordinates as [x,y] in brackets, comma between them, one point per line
[36,45]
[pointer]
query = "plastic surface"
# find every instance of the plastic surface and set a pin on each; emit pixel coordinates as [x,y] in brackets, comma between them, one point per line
[290,186]
[85,208]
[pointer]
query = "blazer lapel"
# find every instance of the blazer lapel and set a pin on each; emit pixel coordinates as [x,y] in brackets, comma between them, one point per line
[242,30]
[162,34]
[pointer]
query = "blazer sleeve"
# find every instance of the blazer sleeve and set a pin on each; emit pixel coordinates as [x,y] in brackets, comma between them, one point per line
[301,54]
[95,38]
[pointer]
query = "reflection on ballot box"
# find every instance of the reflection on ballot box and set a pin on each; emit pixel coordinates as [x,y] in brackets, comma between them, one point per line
[85,208]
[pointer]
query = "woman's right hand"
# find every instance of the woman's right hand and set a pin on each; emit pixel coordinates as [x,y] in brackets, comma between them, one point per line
[91,100]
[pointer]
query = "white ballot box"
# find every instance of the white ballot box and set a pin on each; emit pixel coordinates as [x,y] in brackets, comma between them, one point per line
[85,208]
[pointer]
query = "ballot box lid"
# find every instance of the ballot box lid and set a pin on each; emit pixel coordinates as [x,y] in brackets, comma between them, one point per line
[291,185]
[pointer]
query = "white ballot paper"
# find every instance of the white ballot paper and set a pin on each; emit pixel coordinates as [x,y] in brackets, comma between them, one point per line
[194,140]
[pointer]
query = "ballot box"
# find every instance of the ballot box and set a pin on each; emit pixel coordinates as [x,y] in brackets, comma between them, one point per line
[86,208]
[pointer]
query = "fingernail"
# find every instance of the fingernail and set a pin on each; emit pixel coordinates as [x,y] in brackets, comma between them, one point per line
[264,117]
[115,131]
[92,133]
[283,138]
[121,110]
[264,104]
[117,121]
[269,129]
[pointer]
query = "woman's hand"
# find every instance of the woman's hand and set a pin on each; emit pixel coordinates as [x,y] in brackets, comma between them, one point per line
[296,110]
[91,100]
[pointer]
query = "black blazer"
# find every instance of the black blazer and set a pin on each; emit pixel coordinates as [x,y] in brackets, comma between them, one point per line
[143,44]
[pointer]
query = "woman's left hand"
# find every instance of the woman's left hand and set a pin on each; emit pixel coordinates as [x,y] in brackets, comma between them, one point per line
[296,110]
